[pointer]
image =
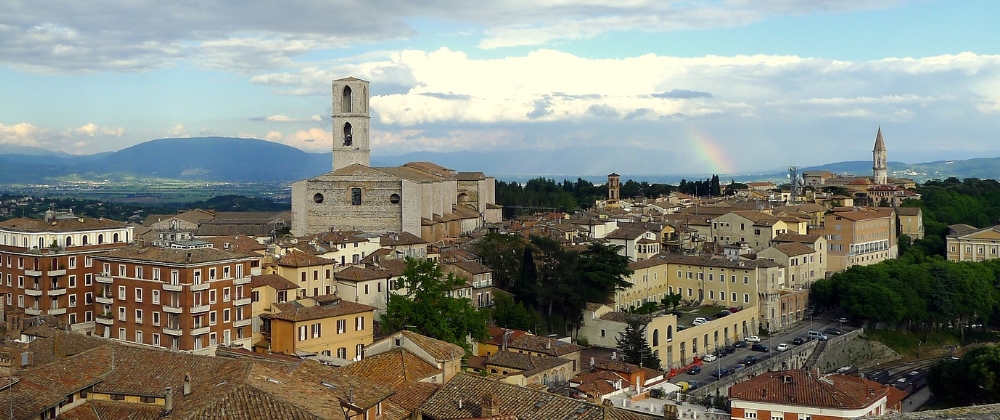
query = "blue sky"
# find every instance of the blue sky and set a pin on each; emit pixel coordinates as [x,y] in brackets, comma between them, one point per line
[712,86]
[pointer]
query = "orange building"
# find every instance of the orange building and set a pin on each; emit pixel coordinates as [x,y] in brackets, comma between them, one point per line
[322,325]
[804,394]
[860,236]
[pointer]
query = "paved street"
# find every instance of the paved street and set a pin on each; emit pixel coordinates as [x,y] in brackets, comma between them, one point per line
[820,323]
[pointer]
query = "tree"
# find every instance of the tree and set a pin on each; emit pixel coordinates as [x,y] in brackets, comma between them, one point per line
[428,308]
[514,315]
[671,300]
[970,380]
[502,253]
[632,344]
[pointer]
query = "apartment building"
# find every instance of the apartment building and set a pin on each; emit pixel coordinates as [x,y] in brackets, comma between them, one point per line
[804,394]
[636,242]
[706,280]
[969,243]
[312,273]
[755,228]
[321,325]
[479,276]
[911,222]
[860,236]
[47,267]
[180,299]
[803,264]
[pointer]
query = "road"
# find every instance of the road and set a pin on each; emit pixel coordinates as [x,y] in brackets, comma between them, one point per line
[820,323]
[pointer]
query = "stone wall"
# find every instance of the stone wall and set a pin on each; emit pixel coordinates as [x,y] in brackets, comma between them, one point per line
[794,358]
[854,349]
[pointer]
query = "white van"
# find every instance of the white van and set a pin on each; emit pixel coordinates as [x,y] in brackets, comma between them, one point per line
[816,335]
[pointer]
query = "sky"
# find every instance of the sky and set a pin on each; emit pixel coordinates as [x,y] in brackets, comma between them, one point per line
[722,86]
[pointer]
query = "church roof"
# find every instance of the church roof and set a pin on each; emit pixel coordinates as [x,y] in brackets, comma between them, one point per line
[350,79]
[879,144]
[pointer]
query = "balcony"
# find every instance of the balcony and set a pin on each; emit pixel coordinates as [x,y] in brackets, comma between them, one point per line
[32,311]
[173,309]
[173,287]
[200,331]
[198,287]
[57,311]
[173,331]
[57,292]
[200,309]
[241,302]
[242,322]
[104,278]
[33,292]
[241,280]
[59,272]
[104,300]
[33,273]
[105,320]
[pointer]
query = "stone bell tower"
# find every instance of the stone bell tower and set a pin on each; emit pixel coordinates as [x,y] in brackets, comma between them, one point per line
[351,122]
[880,172]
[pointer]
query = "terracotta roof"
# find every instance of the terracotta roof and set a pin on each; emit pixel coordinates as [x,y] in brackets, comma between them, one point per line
[795,237]
[544,345]
[528,364]
[758,218]
[21,224]
[599,383]
[624,317]
[302,259]
[307,309]
[512,400]
[175,256]
[627,233]
[401,238]
[793,249]
[865,213]
[106,410]
[908,211]
[392,368]
[472,267]
[356,274]
[806,388]
[409,395]
[273,281]
[236,243]
[441,351]
[496,335]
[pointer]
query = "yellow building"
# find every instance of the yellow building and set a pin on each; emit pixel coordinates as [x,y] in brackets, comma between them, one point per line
[755,228]
[706,280]
[860,236]
[321,325]
[313,274]
[968,243]
[911,222]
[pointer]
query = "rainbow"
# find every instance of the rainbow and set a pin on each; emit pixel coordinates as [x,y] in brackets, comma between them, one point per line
[709,152]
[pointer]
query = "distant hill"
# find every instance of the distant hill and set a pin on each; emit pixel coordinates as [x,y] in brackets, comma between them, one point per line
[217,159]
[225,159]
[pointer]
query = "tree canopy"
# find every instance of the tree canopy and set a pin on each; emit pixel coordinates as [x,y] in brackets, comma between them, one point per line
[970,380]
[428,308]
[632,344]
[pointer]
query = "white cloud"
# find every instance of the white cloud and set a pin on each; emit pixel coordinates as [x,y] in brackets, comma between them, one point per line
[91,129]
[286,119]
[178,131]
[23,134]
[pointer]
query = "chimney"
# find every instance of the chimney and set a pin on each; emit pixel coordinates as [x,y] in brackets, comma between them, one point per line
[168,400]
[187,384]
[548,344]
[459,403]
[491,408]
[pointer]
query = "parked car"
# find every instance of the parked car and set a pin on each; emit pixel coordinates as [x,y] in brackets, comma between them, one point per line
[729,350]
[694,370]
[741,344]
[759,347]
[782,347]
[699,321]
[708,358]
[722,313]
[750,360]
[752,339]
[720,372]
[736,368]
[692,384]
[833,331]
[817,335]
[798,341]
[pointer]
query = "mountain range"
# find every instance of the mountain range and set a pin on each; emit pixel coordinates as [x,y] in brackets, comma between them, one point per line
[223,159]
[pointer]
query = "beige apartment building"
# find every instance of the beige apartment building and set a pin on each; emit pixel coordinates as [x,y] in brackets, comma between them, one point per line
[313,274]
[322,325]
[179,299]
[755,228]
[911,222]
[968,243]
[860,236]
[705,279]
[804,265]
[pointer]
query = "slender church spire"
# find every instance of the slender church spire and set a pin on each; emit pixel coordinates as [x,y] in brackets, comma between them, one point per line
[880,172]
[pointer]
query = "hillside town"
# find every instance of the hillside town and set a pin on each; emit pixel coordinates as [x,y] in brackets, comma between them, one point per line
[689,307]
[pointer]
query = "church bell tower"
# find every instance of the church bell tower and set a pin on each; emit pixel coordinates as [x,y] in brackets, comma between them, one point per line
[880,173]
[351,122]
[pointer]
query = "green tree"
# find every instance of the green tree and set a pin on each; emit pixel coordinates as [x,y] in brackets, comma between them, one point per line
[973,379]
[502,253]
[514,315]
[632,344]
[428,308]
[671,300]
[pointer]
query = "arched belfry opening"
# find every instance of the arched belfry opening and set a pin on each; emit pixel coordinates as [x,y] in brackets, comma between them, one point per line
[348,135]
[345,102]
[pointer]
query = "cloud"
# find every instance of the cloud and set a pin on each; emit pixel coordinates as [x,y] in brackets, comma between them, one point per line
[91,129]
[23,134]
[285,119]
[178,131]
[604,111]
[682,94]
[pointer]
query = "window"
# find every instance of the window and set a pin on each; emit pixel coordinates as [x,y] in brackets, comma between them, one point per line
[138,272]
[197,276]
[734,297]
[121,334]
[211,296]
[156,339]
[156,274]
[356,196]
[211,274]
[316,330]
[138,316]
[72,301]
[359,323]
[303,332]
[341,326]
[88,298]
[121,270]
[138,336]
[255,296]
[603,332]
[746,298]
[212,318]
[72,282]
[342,352]
[156,319]
[225,316]
[121,313]
[225,294]
[749,414]
[746,279]
[138,294]
[366,289]
[156,297]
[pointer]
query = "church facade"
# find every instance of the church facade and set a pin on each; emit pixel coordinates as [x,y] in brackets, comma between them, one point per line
[421,198]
